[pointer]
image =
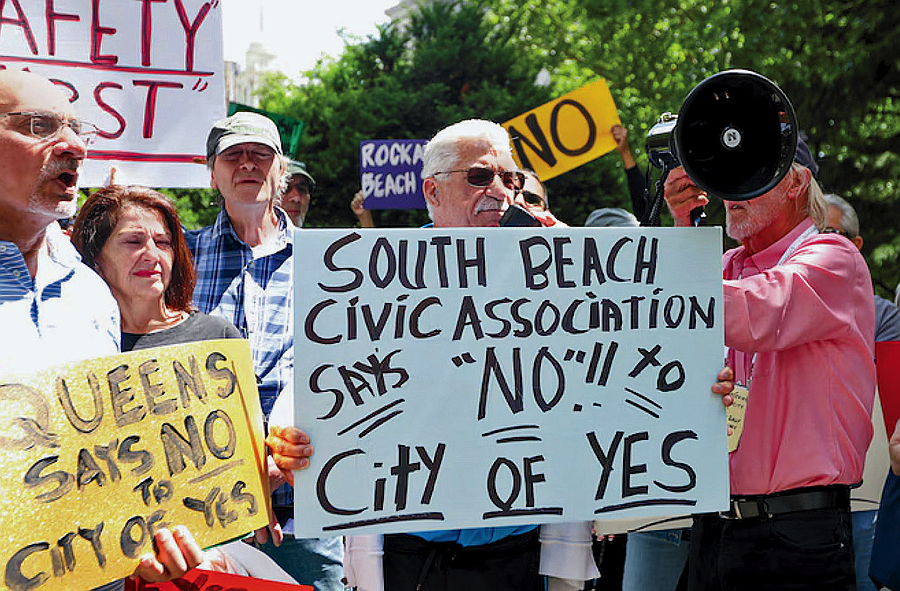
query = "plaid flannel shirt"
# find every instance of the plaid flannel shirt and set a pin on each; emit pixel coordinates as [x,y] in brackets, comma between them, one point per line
[255,293]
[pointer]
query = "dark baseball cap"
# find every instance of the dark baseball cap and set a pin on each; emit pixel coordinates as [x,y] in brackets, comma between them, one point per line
[295,167]
[243,127]
[804,156]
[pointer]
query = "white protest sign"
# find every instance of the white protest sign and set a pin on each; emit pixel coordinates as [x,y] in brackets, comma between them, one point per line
[149,74]
[484,377]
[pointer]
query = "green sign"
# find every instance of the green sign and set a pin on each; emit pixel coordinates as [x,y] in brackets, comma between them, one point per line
[291,129]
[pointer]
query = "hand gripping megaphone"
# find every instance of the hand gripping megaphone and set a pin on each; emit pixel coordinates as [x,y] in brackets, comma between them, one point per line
[735,135]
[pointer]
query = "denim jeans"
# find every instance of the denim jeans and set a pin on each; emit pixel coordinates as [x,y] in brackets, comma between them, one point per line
[655,560]
[863,536]
[312,561]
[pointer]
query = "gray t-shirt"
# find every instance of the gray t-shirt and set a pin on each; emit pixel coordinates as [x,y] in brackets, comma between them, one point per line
[197,327]
[887,320]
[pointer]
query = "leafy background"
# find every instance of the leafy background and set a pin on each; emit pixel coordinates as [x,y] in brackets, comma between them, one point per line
[836,60]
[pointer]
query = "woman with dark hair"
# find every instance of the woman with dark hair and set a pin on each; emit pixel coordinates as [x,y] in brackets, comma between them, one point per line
[132,237]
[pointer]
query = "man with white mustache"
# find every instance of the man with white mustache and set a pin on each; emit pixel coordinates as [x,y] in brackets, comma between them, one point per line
[469,179]
[469,175]
[799,326]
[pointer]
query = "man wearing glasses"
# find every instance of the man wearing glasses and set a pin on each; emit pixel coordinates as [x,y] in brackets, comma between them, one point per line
[42,146]
[244,265]
[533,195]
[296,198]
[469,179]
[53,308]
[469,175]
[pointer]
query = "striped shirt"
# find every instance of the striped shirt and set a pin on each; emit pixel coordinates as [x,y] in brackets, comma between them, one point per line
[65,313]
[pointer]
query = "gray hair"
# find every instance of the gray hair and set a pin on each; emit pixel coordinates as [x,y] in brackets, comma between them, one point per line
[816,205]
[608,217]
[442,151]
[849,219]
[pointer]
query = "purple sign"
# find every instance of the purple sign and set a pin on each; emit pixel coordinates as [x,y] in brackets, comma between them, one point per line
[390,172]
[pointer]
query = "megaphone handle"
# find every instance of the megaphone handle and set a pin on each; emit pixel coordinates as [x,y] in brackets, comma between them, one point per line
[698,216]
[651,216]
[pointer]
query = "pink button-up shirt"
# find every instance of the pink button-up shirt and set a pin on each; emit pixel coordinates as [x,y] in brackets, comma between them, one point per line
[802,332]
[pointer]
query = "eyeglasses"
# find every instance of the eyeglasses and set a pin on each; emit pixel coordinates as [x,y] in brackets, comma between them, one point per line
[830,230]
[300,185]
[532,198]
[46,125]
[481,176]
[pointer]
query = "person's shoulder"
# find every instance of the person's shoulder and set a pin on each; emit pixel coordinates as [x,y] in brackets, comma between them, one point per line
[215,325]
[887,320]
[195,237]
[833,248]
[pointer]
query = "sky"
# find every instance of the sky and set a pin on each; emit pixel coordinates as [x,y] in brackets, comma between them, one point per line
[298,32]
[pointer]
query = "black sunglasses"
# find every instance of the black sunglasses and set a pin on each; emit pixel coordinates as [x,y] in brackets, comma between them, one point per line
[300,185]
[481,176]
[830,230]
[532,198]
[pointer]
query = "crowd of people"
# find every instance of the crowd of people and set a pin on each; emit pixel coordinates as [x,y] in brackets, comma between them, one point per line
[801,321]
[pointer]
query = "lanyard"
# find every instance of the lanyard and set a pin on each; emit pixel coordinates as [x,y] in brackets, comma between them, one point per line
[784,257]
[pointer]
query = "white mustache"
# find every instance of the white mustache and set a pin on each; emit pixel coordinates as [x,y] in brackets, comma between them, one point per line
[488,204]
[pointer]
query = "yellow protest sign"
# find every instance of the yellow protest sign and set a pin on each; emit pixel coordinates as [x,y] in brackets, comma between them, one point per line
[566,132]
[95,456]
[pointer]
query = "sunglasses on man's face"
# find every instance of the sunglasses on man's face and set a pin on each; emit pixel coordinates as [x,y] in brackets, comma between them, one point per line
[830,230]
[532,198]
[482,176]
[300,185]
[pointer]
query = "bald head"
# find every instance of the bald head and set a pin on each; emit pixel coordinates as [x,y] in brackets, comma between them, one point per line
[40,154]
[18,89]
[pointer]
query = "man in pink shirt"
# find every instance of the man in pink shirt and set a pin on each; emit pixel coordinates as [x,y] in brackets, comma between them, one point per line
[799,326]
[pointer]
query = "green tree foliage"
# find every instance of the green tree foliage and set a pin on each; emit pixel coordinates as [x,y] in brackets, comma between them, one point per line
[196,207]
[837,60]
[451,62]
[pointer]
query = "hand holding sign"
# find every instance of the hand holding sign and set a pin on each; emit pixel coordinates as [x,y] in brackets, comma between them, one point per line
[291,450]
[452,378]
[103,455]
[176,553]
[724,385]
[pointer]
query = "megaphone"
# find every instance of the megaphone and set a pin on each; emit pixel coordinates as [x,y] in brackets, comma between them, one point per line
[735,135]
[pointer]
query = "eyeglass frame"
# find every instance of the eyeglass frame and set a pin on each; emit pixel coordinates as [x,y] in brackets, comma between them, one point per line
[292,184]
[830,230]
[86,131]
[540,200]
[517,174]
